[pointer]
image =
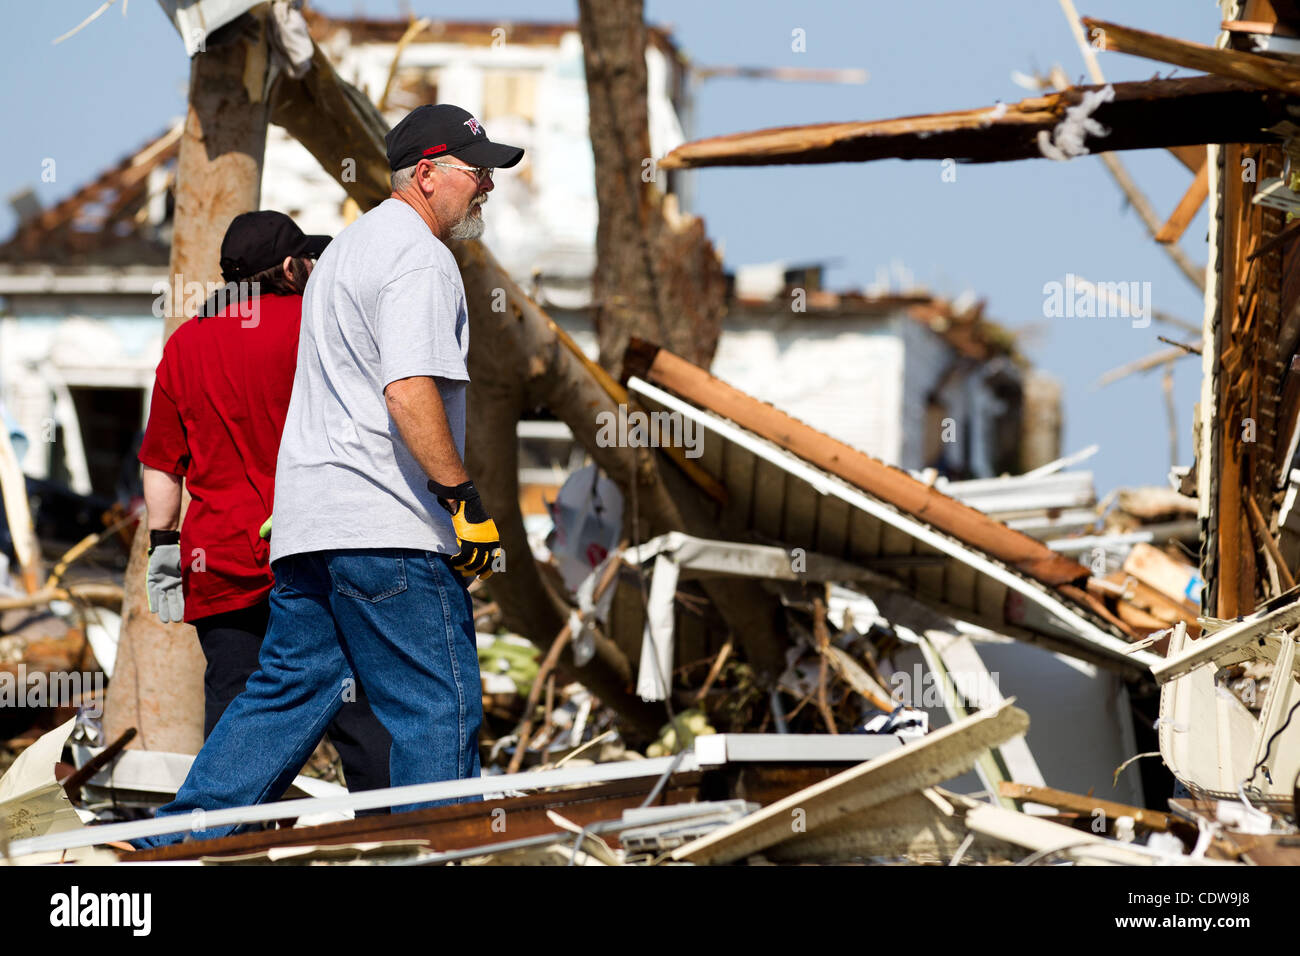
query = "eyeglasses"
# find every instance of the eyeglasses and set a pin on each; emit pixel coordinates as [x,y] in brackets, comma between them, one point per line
[481,173]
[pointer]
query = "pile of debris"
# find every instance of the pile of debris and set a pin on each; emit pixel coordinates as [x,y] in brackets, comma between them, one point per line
[777,651]
[906,623]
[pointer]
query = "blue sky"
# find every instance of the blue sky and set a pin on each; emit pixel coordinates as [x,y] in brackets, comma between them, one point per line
[1001,230]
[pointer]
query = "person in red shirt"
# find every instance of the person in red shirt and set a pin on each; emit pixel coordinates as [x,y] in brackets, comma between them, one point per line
[220,398]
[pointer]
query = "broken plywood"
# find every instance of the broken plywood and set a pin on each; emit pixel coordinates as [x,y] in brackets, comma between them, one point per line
[937,757]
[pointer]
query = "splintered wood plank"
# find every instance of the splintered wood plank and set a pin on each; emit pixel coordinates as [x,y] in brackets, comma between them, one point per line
[738,477]
[939,756]
[1177,581]
[800,521]
[832,525]
[769,499]
[1078,803]
[1232,64]
[1228,512]
[1187,207]
[1143,115]
[1193,157]
[1257,26]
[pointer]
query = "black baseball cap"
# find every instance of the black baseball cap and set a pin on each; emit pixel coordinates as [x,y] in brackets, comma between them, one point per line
[430,132]
[257,241]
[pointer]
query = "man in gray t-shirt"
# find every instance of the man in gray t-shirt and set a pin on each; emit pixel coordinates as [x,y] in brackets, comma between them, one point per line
[377,526]
[385,307]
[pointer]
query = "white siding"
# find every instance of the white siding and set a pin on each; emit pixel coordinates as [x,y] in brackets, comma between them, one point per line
[542,214]
[926,358]
[841,376]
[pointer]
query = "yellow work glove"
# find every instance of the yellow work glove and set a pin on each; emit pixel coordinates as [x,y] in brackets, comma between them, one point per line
[477,535]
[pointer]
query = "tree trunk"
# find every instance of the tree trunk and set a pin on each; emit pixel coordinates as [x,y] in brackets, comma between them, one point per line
[657,278]
[157,686]
[657,275]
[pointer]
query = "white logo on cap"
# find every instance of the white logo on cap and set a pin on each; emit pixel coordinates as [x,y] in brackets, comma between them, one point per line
[474,126]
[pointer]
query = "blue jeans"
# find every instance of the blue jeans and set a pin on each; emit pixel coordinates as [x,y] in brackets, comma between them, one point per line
[400,623]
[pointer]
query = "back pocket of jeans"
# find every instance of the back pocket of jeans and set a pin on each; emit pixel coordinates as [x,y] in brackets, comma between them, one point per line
[370,577]
[283,572]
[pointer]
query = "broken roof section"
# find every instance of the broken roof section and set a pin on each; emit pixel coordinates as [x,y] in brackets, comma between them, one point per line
[114,217]
[963,326]
[788,482]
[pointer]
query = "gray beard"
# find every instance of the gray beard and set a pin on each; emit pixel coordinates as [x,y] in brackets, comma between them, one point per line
[471,227]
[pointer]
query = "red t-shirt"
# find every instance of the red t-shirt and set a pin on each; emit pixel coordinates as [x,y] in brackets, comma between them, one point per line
[219,403]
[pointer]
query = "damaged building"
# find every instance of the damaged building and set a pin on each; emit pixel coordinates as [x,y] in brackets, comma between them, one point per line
[883,601]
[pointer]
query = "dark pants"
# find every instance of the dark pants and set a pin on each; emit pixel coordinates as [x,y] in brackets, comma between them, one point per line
[231,643]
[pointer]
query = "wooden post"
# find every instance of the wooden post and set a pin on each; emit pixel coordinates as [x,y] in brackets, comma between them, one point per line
[158,683]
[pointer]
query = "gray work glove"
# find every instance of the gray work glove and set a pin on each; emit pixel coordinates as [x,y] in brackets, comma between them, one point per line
[163,583]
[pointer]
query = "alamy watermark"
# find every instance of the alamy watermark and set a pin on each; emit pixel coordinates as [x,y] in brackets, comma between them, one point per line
[63,689]
[75,908]
[214,297]
[921,688]
[1076,297]
[638,429]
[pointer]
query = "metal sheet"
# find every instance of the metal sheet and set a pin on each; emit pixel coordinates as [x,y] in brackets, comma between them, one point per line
[717,749]
[1074,623]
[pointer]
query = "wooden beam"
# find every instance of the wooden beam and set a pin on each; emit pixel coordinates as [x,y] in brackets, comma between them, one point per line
[1270,545]
[1078,803]
[1258,26]
[1146,598]
[1190,156]
[1190,111]
[1280,240]
[1193,157]
[1187,207]
[1232,64]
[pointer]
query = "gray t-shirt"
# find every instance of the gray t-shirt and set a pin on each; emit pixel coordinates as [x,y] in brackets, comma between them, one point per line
[384,302]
